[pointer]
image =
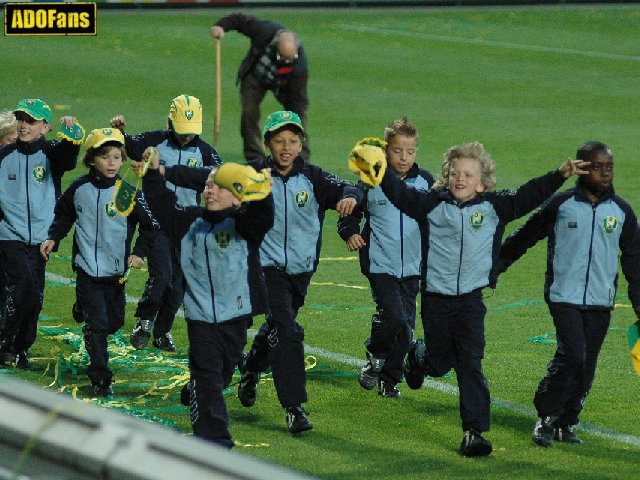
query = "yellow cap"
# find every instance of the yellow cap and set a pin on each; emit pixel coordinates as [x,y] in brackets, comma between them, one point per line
[186,115]
[100,136]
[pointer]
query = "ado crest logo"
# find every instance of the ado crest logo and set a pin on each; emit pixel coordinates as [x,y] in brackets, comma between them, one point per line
[301,199]
[110,209]
[477,219]
[223,239]
[193,162]
[610,224]
[39,174]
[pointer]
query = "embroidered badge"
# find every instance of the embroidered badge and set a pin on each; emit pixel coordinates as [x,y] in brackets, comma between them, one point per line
[223,239]
[39,174]
[610,223]
[477,219]
[302,198]
[110,209]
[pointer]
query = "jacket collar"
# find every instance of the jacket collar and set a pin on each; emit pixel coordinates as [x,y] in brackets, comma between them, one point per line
[29,148]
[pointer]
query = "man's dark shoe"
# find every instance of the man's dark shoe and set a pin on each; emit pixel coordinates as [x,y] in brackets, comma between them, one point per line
[297,420]
[543,431]
[248,388]
[566,434]
[185,394]
[165,342]
[7,358]
[475,445]
[414,365]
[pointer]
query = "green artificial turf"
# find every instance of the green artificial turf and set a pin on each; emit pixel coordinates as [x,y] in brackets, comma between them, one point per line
[531,83]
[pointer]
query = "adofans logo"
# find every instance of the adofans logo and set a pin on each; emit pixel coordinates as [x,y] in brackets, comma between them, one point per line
[50,18]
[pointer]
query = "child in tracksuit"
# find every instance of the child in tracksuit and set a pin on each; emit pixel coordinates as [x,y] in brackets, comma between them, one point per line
[8,134]
[180,144]
[586,226]
[100,247]
[289,255]
[463,221]
[225,287]
[391,259]
[31,170]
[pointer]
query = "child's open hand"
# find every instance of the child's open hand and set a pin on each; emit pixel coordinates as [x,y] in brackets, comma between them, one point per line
[573,167]
[355,242]
[346,206]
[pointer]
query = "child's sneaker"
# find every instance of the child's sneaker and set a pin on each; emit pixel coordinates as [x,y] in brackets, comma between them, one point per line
[413,365]
[543,431]
[566,433]
[248,386]
[388,389]
[475,445]
[77,313]
[297,420]
[369,374]
[22,361]
[102,391]
[165,342]
[141,333]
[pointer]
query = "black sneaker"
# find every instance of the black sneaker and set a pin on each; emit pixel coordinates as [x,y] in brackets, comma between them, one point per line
[248,388]
[368,377]
[543,431]
[7,358]
[297,420]
[413,365]
[22,361]
[164,342]
[185,394]
[566,433]
[388,389]
[77,313]
[141,333]
[102,391]
[475,445]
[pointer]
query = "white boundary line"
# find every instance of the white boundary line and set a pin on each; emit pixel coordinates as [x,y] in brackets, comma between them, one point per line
[473,41]
[428,383]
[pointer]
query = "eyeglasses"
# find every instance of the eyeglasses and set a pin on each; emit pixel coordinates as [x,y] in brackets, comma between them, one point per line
[286,60]
[26,119]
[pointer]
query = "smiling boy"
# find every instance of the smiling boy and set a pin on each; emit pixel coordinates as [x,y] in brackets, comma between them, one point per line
[31,170]
[587,227]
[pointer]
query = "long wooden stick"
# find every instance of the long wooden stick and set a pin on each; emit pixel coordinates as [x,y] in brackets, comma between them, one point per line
[216,123]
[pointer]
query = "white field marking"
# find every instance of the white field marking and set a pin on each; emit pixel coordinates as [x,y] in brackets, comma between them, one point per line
[474,41]
[428,383]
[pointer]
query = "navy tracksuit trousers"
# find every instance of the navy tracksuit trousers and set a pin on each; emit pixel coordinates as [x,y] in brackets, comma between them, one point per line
[580,334]
[454,338]
[279,342]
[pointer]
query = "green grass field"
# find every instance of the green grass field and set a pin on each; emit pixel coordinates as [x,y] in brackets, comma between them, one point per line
[531,83]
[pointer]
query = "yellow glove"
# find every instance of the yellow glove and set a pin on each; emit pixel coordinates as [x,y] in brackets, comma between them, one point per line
[368,160]
[243,181]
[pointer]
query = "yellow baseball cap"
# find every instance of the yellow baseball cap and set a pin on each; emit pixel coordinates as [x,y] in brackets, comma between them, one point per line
[186,115]
[100,136]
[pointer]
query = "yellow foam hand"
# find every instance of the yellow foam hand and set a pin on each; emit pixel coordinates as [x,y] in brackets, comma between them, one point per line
[243,181]
[368,160]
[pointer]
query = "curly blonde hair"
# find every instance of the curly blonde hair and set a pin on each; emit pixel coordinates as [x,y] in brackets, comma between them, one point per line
[473,150]
[8,123]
